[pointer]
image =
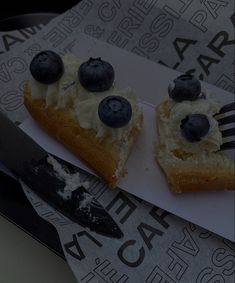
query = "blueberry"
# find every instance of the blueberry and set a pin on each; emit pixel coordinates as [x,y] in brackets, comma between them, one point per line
[115,111]
[185,87]
[47,67]
[194,127]
[96,75]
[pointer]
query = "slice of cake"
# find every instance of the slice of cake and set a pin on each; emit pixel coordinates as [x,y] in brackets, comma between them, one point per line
[189,140]
[80,106]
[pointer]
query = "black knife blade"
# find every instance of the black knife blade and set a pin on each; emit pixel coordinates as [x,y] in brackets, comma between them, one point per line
[32,164]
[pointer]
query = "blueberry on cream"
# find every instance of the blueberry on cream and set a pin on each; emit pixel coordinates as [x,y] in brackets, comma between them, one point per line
[184,87]
[195,126]
[47,67]
[96,75]
[115,111]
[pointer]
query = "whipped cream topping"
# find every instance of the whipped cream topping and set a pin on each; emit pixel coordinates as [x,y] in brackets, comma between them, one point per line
[68,94]
[178,111]
[62,93]
[87,113]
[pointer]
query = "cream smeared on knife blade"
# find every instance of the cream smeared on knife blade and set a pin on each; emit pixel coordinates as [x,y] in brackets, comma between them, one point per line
[72,181]
[47,176]
[60,184]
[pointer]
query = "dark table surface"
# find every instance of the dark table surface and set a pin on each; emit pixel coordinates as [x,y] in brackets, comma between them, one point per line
[23,14]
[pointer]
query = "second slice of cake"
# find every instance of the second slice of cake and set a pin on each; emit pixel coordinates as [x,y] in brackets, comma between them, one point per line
[189,140]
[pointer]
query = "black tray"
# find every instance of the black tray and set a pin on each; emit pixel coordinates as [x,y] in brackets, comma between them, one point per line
[22,14]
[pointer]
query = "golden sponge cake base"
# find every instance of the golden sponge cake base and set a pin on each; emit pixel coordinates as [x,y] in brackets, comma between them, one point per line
[99,154]
[190,174]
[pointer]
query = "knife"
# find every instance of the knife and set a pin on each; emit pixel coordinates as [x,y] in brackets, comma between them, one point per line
[53,179]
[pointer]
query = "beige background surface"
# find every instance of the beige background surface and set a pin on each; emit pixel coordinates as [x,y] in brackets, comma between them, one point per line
[23,259]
